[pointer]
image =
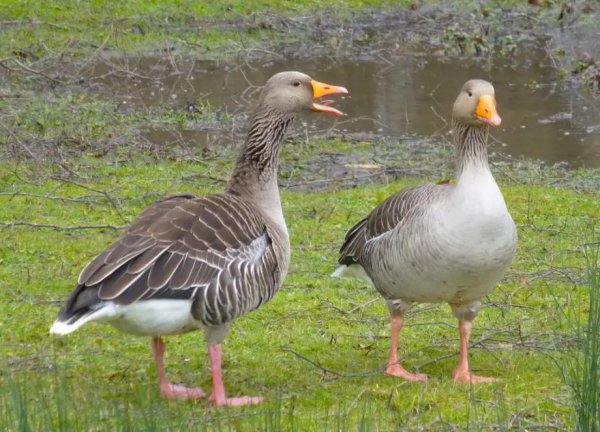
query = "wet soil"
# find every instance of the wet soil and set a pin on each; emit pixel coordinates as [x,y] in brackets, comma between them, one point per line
[403,69]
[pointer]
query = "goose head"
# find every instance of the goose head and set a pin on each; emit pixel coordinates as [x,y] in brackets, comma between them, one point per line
[476,104]
[292,92]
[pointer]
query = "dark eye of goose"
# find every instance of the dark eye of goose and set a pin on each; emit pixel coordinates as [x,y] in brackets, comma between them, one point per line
[470,94]
[296,83]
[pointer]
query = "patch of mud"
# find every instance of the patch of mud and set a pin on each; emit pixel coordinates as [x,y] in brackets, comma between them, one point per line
[403,68]
[390,159]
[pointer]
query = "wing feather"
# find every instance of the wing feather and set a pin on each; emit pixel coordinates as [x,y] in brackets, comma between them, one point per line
[212,246]
[385,217]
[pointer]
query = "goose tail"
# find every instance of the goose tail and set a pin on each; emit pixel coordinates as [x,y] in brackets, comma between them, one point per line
[353,271]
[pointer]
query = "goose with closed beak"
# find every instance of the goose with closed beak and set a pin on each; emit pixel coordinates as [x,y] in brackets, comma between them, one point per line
[198,262]
[440,242]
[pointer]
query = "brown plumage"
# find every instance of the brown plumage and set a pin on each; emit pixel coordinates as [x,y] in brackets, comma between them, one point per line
[198,262]
[175,250]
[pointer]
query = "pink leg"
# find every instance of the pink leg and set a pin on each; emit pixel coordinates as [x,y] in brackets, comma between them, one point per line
[218,397]
[168,390]
[394,367]
[461,373]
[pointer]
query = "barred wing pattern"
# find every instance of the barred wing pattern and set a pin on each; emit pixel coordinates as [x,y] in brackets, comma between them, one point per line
[386,217]
[215,250]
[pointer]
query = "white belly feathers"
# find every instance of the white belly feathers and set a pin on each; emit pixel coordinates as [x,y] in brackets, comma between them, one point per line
[456,253]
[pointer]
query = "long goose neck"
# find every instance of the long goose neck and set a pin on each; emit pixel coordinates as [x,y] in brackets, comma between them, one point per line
[471,147]
[255,174]
[258,159]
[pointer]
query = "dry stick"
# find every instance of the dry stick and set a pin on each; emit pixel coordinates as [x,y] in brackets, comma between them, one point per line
[333,180]
[98,50]
[49,197]
[16,138]
[354,309]
[105,194]
[438,115]
[30,70]
[128,72]
[355,400]
[331,371]
[61,227]
[435,360]
[22,22]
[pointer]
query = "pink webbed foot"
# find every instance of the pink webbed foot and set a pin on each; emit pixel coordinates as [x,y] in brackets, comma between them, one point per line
[466,377]
[461,373]
[218,398]
[172,391]
[398,371]
[168,390]
[235,401]
[394,367]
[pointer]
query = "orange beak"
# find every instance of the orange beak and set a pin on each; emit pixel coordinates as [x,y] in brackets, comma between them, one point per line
[486,110]
[320,90]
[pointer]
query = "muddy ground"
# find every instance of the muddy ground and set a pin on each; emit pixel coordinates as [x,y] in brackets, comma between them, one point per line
[184,102]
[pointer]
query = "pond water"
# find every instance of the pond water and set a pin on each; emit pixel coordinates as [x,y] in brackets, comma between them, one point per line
[408,95]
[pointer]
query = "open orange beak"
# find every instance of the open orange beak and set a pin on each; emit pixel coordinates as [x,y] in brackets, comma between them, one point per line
[320,90]
[486,110]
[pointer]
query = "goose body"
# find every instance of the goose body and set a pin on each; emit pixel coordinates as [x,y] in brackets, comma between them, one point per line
[187,262]
[198,262]
[444,242]
[453,245]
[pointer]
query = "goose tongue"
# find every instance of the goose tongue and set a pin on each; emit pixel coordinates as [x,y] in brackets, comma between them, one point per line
[322,89]
[324,107]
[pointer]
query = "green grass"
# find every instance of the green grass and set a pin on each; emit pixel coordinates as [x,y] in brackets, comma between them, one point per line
[588,406]
[36,31]
[316,351]
[44,29]
[72,160]
[581,365]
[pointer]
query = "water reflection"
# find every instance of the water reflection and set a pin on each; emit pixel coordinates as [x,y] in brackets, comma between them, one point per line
[411,95]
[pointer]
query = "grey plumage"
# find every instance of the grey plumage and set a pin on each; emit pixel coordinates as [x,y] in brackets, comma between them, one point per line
[439,242]
[227,253]
[385,217]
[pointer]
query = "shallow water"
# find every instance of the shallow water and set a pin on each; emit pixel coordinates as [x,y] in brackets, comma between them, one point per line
[410,95]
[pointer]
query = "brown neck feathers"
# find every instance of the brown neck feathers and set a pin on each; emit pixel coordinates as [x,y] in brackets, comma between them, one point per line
[258,159]
[471,146]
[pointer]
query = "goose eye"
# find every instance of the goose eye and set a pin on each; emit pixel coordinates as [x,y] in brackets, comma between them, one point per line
[470,94]
[296,83]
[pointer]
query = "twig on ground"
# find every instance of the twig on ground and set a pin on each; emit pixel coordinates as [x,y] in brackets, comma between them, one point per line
[61,227]
[101,192]
[328,370]
[30,70]
[49,197]
[18,140]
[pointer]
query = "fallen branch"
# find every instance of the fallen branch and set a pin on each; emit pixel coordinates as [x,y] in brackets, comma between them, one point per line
[331,371]
[109,198]
[30,70]
[49,197]
[61,227]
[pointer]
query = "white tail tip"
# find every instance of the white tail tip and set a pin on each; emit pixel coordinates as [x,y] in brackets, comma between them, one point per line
[352,271]
[62,328]
[339,272]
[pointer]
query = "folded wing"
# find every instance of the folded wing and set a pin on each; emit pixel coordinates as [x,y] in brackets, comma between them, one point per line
[215,250]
